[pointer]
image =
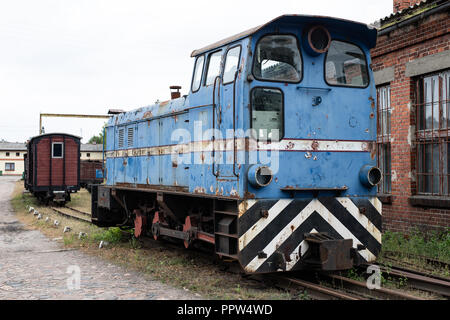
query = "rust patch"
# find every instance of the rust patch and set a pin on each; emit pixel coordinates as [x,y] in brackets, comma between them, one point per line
[315,145]
[372,115]
[249,195]
[148,114]
[164,103]
[372,102]
[372,148]
[199,190]
[174,164]
[290,145]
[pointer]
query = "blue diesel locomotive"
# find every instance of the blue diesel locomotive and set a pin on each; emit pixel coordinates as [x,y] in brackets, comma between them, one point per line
[270,158]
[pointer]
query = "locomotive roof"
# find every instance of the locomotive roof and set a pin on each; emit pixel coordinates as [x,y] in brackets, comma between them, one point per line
[366,33]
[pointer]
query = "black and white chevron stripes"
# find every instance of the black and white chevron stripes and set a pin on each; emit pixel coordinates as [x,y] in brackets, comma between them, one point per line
[289,219]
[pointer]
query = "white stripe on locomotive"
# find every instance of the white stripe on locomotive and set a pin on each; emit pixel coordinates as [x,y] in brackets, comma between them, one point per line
[262,223]
[283,235]
[362,219]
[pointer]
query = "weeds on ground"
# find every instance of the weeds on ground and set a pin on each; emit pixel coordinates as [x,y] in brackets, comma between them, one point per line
[178,267]
[433,244]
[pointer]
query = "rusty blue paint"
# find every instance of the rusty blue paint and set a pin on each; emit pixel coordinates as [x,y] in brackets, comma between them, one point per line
[343,114]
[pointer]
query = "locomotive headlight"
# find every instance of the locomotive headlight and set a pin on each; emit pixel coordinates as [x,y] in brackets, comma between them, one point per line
[316,40]
[259,176]
[370,176]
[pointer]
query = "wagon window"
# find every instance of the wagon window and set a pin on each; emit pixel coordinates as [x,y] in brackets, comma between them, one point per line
[213,67]
[196,80]
[57,150]
[267,114]
[346,65]
[231,64]
[278,58]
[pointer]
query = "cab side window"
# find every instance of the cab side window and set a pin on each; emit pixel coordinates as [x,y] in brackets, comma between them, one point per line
[197,77]
[213,67]
[277,58]
[267,114]
[346,65]
[231,64]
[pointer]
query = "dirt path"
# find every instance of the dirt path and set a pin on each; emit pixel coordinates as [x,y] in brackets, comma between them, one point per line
[34,267]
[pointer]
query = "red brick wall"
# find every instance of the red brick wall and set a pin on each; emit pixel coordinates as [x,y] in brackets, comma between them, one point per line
[397,48]
[403,4]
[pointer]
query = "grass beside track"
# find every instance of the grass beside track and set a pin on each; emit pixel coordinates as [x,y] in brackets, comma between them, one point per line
[187,269]
[414,249]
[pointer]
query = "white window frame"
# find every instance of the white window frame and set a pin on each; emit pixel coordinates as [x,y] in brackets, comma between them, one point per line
[53,150]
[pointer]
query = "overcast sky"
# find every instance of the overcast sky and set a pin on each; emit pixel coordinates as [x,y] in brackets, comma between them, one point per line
[87,56]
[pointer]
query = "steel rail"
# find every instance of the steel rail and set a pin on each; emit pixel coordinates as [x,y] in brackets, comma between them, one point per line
[69,215]
[79,211]
[428,260]
[361,287]
[420,281]
[411,267]
[316,291]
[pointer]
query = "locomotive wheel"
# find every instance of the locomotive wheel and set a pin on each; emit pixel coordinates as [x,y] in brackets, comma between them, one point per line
[187,228]
[140,222]
[155,226]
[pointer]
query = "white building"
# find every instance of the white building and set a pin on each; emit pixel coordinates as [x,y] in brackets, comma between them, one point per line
[11,158]
[91,152]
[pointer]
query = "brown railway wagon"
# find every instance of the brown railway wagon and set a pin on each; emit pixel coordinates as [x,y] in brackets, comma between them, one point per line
[88,173]
[52,166]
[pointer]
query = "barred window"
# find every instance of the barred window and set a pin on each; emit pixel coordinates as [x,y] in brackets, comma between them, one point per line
[384,137]
[10,166]
[432,134]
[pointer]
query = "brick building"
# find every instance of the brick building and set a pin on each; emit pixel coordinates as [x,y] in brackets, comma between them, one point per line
[411,65]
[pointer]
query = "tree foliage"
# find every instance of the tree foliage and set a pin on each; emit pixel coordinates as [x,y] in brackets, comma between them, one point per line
[98,139]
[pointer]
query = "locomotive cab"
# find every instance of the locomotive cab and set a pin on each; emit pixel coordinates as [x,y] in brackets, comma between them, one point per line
[306,108]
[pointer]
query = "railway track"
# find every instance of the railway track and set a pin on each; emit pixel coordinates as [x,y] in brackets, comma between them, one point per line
[76,214]
[331,286]
[432,263]
[335,286]
[420,281]
[314,290]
